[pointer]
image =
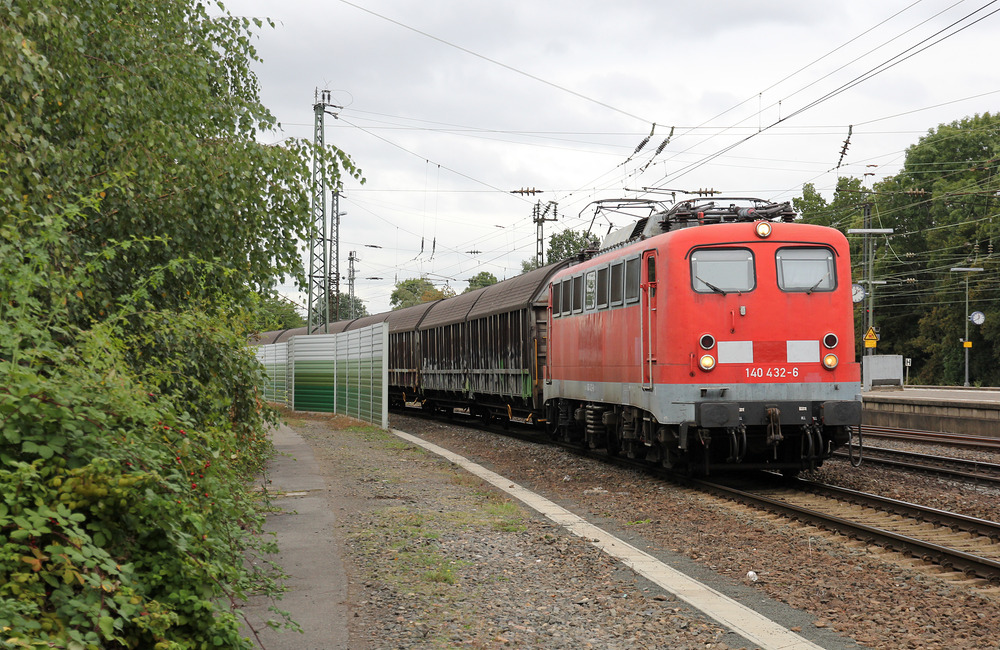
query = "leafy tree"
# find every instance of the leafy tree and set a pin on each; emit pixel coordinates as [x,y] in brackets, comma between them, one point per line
[275,312]
[480,280]
[125,452]
[348,310]
[564,245]
[141,218]
[946,205]
[569,243]
[155,104]
[842,212]
[529,265]
[942,208]
[415,291]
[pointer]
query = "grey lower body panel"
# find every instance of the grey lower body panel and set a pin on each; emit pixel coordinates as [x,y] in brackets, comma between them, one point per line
[718,405]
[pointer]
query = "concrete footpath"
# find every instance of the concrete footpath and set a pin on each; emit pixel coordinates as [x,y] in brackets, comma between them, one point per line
[310,553]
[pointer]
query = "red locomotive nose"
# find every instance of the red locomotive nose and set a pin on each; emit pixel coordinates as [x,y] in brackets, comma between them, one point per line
[718,315]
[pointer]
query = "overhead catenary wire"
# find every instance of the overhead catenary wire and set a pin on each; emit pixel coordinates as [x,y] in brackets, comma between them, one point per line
[646,151]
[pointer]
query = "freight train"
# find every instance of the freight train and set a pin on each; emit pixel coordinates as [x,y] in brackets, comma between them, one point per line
[706,335]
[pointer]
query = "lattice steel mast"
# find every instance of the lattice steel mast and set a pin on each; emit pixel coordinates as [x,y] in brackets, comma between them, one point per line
[352,257]
[335,252]
[318,310]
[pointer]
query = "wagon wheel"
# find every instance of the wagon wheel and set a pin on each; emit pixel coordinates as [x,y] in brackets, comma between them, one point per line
[500,420]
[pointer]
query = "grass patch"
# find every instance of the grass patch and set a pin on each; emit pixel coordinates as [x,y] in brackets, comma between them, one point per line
[405,541]
[467,480]
[508,517]
[442,575]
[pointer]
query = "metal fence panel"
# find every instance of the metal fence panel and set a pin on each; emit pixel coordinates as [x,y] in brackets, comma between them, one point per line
[274,358]
[333,373]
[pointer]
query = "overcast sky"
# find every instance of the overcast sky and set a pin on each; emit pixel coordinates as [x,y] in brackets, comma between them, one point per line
[448,106]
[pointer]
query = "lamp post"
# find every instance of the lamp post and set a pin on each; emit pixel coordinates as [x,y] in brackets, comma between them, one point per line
[966,343]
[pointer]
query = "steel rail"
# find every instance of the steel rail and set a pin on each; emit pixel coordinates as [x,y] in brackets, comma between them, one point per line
[936,437]
[953,520]
[952,558]
[948,557]
[956,468]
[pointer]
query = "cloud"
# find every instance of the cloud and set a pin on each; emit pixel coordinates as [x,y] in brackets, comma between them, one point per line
[448,106]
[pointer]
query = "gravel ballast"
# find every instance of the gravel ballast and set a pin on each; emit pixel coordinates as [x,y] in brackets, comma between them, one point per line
[438,559]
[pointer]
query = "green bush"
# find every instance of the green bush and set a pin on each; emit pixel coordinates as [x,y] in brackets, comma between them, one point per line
[126,519]
[140,217]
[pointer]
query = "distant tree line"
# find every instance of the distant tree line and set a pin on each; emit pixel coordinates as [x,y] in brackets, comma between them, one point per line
[562,245]
[944,209]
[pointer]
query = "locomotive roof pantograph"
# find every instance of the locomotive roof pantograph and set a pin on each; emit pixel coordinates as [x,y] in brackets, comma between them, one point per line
[683,214]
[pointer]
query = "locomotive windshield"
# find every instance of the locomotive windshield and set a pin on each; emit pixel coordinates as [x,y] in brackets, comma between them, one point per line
[722,270]
[805,269]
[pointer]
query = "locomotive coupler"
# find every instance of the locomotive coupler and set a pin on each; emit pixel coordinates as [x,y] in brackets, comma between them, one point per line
[774,426]
[737,443]
[808,450]
[821,452]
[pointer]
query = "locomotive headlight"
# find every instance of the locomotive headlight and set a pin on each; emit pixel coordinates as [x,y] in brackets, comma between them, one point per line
[830,361]
[707,342]
[830,341]
[707,362]
[763,229]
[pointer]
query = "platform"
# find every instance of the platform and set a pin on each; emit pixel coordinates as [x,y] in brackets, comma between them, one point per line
[948,409]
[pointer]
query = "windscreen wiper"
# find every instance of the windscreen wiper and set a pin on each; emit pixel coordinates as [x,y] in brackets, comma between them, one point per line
[710,285]
[818,282]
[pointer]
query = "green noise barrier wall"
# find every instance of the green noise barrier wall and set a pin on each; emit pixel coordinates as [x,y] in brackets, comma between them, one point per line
[332,373]
[274,358]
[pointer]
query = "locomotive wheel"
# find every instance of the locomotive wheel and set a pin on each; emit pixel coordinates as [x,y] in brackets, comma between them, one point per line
[672,459]
[614,445]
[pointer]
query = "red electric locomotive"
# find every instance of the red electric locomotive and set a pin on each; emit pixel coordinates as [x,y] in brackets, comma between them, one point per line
[713,335]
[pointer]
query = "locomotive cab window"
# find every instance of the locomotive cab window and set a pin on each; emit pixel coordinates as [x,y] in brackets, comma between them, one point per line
[602,288]
[617,283]
[556,305]
[722,270]
[632,279]
[590,290]
[805,269]
[567,296]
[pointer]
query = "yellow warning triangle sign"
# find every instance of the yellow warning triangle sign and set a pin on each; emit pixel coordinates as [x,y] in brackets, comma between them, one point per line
[870,335]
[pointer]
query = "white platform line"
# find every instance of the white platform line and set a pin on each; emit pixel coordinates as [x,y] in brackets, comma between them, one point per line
[742,620]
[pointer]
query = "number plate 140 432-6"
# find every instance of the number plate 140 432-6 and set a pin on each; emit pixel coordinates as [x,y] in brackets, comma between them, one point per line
[759,372]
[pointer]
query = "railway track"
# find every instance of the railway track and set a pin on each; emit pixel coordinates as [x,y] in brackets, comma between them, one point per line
[958,542]
[934,437]
[954,541]
[958,469]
